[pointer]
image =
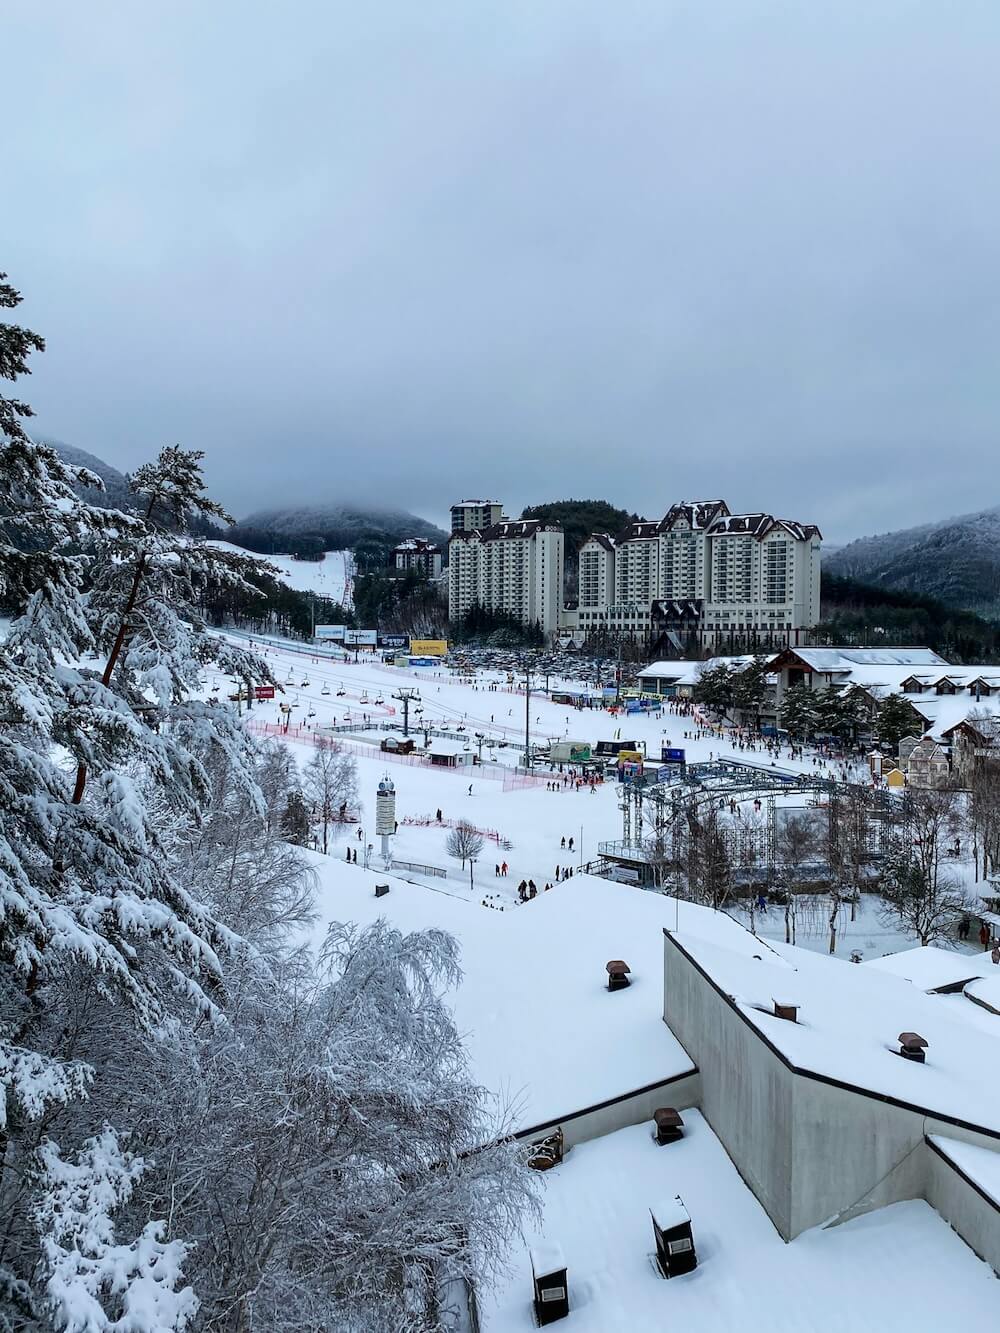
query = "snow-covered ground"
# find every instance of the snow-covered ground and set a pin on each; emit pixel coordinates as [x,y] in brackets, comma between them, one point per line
[899,1268]
[534,820]
[330,577]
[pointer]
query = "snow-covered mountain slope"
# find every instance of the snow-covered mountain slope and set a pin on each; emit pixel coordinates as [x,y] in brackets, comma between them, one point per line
[956,560]
[332,577]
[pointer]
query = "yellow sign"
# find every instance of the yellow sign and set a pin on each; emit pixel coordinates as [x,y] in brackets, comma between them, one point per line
[429,647]
[629,756]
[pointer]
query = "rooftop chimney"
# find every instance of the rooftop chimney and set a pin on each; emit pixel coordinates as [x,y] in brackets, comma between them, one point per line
[617,974]
[669,1125]
[783,1009]
[912,1046]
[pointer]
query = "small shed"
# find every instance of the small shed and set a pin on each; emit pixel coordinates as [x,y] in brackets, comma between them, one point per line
[895,778]
[548,1270]
[675,1252]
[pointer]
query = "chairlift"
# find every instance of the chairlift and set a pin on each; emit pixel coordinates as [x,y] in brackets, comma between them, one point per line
[363,699]
[341,693]
[311,713]
[325,689]
[303,685]
[289,679]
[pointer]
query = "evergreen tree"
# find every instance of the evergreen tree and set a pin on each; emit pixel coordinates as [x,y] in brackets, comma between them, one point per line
[715,688]
[798,711]
[895,717]
[86,896]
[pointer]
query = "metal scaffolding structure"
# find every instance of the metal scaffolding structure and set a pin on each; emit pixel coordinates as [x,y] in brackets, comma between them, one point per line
[668,806]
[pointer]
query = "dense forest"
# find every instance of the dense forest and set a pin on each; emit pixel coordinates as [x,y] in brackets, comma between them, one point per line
[308,530]
[858,613]
[956,561]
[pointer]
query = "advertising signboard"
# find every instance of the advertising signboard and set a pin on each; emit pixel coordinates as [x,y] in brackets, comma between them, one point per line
[261,692]
[360,638]
[335,632]
[394,641]
[429,647]
[668,755]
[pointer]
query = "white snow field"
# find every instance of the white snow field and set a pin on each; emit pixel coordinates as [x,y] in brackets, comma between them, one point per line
[899,1268]
[323,690]
[330,577]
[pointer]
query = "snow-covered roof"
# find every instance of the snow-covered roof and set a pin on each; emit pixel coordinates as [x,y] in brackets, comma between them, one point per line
[986,989]
[850,1018]
[684,673]
[980,1165]
[930,967]
[540,1023]
[854,1276]
[843,659]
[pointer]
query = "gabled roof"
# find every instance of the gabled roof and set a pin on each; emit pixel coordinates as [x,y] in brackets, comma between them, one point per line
[844,659]
[695,514]
[603,539]
[759,525]
[509,531]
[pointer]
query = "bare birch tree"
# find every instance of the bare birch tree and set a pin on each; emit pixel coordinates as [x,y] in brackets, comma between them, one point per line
[330,782]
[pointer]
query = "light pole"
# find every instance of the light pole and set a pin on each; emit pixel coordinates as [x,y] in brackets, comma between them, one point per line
[527,715]
[406,695]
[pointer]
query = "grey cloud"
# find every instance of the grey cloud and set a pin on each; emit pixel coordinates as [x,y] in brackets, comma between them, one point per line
[635,251]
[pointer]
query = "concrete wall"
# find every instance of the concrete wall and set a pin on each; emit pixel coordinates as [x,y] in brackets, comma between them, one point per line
[746,1090]
[851,1154]
[631,1109]
[977,1220]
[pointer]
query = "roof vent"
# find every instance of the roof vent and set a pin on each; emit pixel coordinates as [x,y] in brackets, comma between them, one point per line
[548,1270]
[617,974]
[669,1125]
[912,1046]
[675,1252]
[783,1009]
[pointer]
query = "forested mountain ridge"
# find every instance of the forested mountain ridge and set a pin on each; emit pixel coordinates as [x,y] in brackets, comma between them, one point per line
[308,529]
[956,561]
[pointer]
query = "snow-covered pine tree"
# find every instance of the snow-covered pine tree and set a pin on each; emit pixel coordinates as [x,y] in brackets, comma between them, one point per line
[84,892]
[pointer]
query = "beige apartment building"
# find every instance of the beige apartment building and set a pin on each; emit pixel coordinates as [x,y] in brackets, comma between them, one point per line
[735,574]
[514,566]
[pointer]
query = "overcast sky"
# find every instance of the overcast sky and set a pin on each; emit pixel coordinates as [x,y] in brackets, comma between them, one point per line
[417,251]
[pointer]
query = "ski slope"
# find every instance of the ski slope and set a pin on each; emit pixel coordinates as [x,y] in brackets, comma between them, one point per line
[332,577]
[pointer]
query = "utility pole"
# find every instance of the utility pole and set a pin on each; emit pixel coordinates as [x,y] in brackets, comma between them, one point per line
[406,695]
[527,715]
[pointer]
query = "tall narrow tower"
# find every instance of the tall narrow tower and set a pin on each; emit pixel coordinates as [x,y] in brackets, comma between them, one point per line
[385,815]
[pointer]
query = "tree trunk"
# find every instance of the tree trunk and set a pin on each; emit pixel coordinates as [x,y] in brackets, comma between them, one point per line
[112,662]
